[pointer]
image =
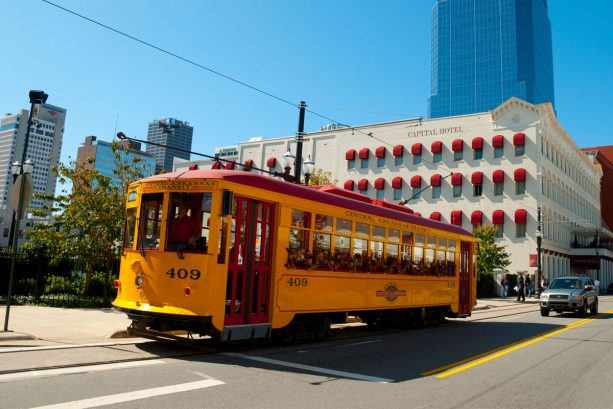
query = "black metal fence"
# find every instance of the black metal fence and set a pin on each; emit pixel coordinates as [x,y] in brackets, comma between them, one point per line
[60,281]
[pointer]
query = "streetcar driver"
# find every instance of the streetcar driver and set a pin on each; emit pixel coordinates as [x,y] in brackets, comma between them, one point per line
[184,230]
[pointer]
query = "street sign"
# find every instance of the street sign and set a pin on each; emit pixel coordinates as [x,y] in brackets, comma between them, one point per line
[27,193]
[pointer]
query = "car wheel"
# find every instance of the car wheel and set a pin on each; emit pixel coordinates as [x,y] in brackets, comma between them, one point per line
[545,312]
[583,310]
[594,309]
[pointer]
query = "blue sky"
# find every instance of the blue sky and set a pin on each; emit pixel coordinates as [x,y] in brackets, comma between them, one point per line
[344,58]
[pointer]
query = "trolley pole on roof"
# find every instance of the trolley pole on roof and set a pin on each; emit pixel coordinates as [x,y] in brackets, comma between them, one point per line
[299,140]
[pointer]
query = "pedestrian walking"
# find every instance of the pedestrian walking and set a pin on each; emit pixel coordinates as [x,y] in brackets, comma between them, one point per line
[529,286]
[520,288]
[505,286]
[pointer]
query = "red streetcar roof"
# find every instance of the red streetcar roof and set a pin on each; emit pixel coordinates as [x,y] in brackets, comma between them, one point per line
[331,195]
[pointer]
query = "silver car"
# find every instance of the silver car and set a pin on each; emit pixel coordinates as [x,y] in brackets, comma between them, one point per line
[575,293]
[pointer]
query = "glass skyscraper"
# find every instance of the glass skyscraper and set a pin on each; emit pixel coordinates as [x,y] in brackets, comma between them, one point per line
[486,51]
[173,133]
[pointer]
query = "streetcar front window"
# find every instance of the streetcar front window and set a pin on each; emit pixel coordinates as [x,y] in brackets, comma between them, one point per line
[189,218]
[150,221]
[130,229]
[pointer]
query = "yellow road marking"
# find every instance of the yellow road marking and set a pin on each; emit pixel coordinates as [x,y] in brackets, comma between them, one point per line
[463,365]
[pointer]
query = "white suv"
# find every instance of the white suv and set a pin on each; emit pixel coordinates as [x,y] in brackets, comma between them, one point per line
[574,293]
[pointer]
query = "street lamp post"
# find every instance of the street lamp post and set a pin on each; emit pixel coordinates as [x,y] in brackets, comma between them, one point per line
[36,97]
[539,242]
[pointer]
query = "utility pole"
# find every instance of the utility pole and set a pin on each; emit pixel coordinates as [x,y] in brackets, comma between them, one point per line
[299,140]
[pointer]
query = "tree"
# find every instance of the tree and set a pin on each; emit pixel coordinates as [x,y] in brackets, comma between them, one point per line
[89,219]
[321,178]
[489,256]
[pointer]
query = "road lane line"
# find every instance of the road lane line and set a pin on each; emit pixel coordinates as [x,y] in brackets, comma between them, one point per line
[134,395]
[43,373]
[72,346]
[310,368]
[460,366]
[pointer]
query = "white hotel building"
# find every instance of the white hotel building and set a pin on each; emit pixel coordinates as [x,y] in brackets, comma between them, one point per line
[491,168]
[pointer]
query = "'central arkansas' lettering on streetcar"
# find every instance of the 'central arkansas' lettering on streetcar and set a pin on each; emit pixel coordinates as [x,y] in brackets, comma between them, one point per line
[391,292]
[387,222]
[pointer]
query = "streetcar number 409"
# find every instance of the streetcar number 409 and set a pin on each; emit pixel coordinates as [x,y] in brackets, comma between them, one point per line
[183,274]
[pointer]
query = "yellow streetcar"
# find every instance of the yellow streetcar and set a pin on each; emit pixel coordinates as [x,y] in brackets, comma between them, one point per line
[268,257]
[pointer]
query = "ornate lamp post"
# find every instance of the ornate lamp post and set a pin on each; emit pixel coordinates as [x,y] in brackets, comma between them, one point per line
[36,97]
[307,168]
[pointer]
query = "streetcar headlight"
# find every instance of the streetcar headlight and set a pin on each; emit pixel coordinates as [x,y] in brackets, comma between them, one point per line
[136,266]
[138,281]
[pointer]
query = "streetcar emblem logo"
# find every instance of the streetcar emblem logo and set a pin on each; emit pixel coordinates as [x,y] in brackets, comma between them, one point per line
[391,292]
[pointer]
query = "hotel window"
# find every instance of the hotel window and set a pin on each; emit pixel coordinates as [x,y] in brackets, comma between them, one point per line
[380,154]
[437,151]
[457,191]
[478,154]
[364,164]
[498,145]
[499,230]
[520,150]
[351,164]
[498,189]
[519,140]
[398,152]
[436,192]
[416,192]
[397,160]
[398,194]
[520,187]
[520,230]
[458,149]
[437,157]
[478,190]
[416,152]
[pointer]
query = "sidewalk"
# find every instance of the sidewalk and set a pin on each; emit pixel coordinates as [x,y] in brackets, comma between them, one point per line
[33,325]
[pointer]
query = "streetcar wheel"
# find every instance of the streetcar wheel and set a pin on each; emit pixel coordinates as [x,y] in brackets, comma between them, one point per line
[594,309]
[545,312]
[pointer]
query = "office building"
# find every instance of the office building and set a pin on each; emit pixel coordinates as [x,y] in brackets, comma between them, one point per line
[43,149]
[486,51]
[489,168]
[169,132]
[99,155]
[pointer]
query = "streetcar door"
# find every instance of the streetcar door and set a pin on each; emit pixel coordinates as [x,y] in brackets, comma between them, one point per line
[250,261]
[465,258]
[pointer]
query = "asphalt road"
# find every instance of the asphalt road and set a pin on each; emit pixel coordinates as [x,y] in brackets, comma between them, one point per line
[507,358]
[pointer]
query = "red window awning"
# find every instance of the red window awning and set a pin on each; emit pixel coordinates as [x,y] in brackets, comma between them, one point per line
[380,152]
[435,216]
[477,143]
[476,178]
[476,217]
[519,138]
[364,152]
[230,165]
[456,217]
[416,181]
[457,145]
[498,176]
[249,163]
[436,147]
[379,183]
[363,184]
[397,182]
[498,141]
[398,150]
[519,175]
[350,154]
[498,217]
[456,179]
[416,149]
[271,162]
[520,216]
[349,184]
[435,180]
[217,165]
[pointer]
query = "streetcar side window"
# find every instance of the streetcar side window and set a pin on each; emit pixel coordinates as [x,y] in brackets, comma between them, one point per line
[299,239]
[150,221]
[130,228]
